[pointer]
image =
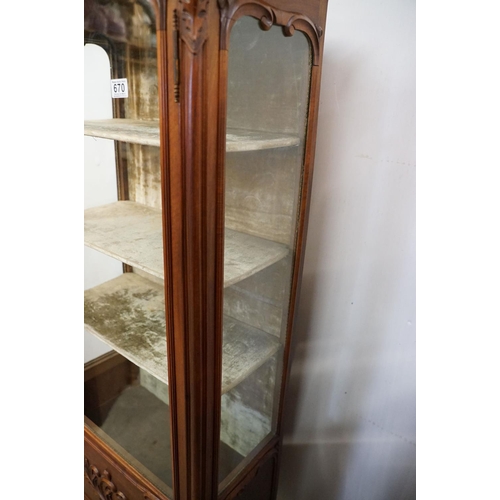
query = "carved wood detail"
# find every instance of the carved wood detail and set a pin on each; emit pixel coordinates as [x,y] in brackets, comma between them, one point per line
[193,282]
[193,23]
[269,16]
[133,484]
[102,483]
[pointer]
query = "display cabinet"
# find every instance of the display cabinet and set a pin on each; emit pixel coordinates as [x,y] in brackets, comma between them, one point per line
[210,130]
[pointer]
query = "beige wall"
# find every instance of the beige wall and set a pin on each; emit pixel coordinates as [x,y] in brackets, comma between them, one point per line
[350,412]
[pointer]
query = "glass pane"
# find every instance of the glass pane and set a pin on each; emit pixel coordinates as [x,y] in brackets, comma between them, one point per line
[268,93]
[126,392]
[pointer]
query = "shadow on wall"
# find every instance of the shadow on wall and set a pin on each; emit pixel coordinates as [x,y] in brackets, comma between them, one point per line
[323,466]
[349,416]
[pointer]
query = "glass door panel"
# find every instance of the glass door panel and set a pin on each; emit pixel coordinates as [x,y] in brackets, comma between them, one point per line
[268,96]
[126,392]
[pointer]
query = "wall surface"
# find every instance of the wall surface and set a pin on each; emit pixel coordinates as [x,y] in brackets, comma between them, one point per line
[350,407]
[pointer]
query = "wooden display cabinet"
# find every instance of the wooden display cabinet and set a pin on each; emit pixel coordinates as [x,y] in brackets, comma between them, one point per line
[213,151]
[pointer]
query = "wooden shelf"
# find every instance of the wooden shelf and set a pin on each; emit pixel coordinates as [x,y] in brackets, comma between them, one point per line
[128,314]
[132,233]
[148,133]
[129,232]
[251,140]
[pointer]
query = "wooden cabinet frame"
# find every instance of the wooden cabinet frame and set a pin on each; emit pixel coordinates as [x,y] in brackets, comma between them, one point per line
[193,44]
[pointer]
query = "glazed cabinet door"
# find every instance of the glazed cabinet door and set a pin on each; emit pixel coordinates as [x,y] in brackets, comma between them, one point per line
[268,90]
[127,418]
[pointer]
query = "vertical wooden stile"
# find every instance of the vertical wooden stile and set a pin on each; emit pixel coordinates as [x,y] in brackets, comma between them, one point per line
[193,275]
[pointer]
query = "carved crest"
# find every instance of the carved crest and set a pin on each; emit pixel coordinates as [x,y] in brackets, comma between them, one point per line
[193,25]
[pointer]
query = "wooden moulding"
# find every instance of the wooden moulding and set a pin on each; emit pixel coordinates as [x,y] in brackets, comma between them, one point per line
[132,233]
[268,16]
[111,473]
[128,314]
[147,132]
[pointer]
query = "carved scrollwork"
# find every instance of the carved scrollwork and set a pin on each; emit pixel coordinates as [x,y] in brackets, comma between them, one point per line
[193,23]
[102,483]
[266,21]
[289,27]
[268,16]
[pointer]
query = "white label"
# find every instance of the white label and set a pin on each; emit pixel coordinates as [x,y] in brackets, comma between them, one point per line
[119,88]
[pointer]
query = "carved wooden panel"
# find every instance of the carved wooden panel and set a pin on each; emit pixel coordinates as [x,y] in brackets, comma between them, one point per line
[269,16]
[102,483]
[112,477]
